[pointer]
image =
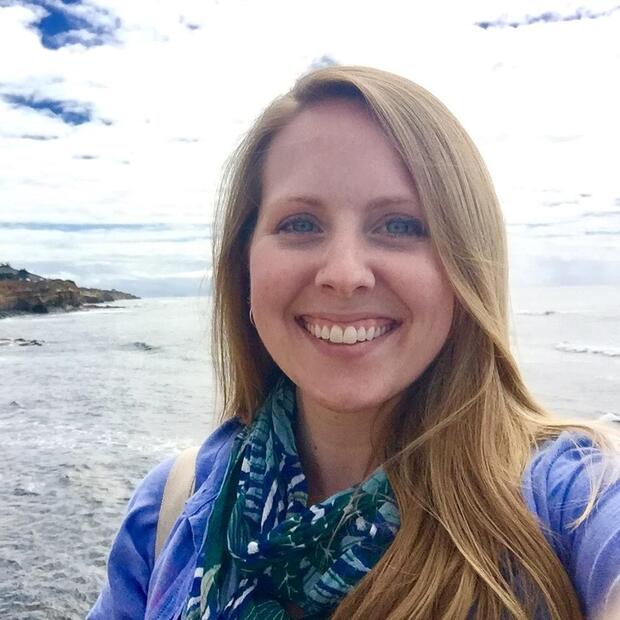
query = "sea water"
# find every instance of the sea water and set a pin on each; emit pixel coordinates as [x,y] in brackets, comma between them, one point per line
[109,393]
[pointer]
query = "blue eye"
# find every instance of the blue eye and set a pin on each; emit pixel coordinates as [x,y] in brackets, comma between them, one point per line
[299,224]
[405,226]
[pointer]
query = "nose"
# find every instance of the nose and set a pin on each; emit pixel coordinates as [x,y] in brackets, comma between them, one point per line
[345,266]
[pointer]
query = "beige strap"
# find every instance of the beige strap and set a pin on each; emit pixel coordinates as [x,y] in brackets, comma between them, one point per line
[179,487]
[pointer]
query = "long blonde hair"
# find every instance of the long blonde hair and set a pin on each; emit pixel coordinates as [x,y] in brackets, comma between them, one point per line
[463,432]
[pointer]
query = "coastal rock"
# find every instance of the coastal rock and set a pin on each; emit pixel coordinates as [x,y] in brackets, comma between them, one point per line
[38,296]
[21,291]
[100,296]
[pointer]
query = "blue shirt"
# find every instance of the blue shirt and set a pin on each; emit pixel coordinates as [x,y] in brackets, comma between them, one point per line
[555,486]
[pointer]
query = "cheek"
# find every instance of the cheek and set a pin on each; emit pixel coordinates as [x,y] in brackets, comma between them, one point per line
[262,276]
[274,279]
[441,302]
[421,281]
[429,297]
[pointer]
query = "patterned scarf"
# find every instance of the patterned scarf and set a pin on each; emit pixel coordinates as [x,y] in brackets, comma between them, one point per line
[276,548]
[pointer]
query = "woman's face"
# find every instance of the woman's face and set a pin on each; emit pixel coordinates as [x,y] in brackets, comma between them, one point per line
[347,293]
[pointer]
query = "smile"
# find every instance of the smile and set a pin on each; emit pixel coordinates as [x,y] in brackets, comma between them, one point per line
[362,331]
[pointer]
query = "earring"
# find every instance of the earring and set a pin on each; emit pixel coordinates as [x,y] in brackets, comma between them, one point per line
[252,317]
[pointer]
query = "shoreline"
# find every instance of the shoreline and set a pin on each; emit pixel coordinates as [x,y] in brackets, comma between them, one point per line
[10,314]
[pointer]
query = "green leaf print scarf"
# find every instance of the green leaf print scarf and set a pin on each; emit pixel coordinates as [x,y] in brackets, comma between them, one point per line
[264,546]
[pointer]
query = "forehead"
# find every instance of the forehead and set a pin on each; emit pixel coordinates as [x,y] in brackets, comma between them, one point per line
[342,115]
[334,145]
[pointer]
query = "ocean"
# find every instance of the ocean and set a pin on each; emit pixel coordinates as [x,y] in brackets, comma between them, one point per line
[91,400]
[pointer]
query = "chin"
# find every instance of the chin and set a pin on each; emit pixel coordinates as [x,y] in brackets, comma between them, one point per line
[348,399]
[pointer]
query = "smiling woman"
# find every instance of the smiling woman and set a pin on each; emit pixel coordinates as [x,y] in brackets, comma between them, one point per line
[382,457]
[340,245]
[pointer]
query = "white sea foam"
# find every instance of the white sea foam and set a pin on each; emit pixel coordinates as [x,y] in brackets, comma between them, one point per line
[541,313]
[610,417]
[574,348]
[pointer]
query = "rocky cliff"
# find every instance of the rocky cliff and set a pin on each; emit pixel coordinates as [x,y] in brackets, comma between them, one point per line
[27,292]
[99,296]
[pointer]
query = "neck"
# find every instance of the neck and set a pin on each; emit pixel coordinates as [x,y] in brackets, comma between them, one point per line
[337,450]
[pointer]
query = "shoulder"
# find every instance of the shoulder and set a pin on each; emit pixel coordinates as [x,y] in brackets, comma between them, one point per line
[130,561]
[215,449]
[132,556]
[148,495]
[563,475]
[145,504]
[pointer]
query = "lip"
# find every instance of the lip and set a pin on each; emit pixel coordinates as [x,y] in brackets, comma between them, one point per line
[346,319]
[346,351]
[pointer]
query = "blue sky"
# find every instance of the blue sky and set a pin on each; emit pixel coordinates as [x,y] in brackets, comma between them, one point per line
[116,118]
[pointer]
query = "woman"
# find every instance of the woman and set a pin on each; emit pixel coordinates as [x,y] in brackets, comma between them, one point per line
[382,457]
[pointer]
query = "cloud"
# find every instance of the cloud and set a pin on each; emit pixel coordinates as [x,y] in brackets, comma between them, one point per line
[68,22]
[122,113]
[548,17]
[574,271]
[106,255]
[71,112]
[76,227]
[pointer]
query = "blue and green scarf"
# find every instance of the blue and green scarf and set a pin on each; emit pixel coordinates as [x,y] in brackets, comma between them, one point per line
[264,546]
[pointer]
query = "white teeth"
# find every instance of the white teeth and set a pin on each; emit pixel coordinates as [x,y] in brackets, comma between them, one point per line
[335,335]
[350,335]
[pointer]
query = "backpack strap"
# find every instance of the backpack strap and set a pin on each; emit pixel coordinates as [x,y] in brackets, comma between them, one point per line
[179,487]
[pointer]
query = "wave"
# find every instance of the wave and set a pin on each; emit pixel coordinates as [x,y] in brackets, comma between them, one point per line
[571,348]
[21,491]
[583,313]
[141,346]
[20,342]
[541,313]
[609,417]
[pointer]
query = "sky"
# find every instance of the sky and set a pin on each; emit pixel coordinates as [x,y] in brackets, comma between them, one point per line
[116,118]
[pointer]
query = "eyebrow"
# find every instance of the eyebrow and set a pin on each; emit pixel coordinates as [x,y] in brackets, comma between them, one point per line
[392,201]
[375,203]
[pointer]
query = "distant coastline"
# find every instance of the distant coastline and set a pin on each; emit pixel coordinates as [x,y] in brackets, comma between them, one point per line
[22,292]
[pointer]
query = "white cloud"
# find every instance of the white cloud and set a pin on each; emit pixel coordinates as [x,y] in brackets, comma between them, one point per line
[179,82]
